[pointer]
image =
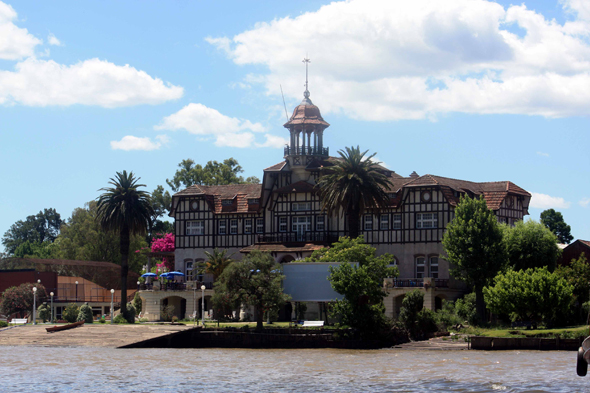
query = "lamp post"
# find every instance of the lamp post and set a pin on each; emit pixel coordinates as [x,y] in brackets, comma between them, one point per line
[39,281]
[76,291]
[34,305]
[112,294]
[51,293]
[203,305]
[138,283]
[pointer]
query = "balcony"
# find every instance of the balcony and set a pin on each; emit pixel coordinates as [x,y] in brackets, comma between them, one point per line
[414,283]
[292,237]
[307,151]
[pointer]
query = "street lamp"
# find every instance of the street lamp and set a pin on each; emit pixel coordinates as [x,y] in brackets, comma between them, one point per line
[76,291]
[51,293]
[39,281]
[203,305]
[112,294]
[138,283]
[34,305]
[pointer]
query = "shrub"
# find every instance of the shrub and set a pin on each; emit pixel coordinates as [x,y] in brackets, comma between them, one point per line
[130,313]
[101,320]
[119,319]
[3,324]
[85,314]
[44,313]
[174,319]
[142,320]
[446,316]
[167,313]
[70,313]
[425,324]
[137,303]
[466,310]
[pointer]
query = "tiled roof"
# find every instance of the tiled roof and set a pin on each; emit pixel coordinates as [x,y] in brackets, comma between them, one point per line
[228,191]
[585,242]
[306,113]
[276,167]
[280,247]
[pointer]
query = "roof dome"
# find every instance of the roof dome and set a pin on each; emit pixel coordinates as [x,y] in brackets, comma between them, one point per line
[306,113]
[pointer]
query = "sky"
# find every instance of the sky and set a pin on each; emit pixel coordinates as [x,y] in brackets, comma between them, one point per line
[468,89]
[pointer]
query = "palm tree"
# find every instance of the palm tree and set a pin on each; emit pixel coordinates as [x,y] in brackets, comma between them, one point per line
[217,262]
[352,185]
[125,209]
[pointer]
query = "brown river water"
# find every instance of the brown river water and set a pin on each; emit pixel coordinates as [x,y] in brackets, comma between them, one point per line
[44,369]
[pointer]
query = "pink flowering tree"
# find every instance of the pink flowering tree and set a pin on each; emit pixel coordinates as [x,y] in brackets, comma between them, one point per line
[164,244]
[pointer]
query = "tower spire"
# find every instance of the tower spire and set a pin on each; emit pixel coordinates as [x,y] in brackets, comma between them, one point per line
[306,61]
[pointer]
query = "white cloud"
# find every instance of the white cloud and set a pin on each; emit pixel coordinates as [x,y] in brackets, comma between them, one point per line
[92,82]
[543,201]
[15,43]
[397,59]
[131,142]
[52,40]
[273,141]
[584,202]
[199,119]
[540,153]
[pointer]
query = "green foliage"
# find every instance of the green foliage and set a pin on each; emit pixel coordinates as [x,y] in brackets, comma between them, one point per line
[33,249]
[214,173]
[474,245]
[530,295]
[85,314]
[351,250]
[126,210]
[70,313]
[83,239]
[129,313]
[20,299]
[102,320]
[447,317]
[530,244]
[466,310]
[137,303]
[119,319]
[411,305]
[44,313]
[254,281]
[166,313]
[362,286]
[217,261]
[556,224]
[39,228]
[577,274]
[353,184]
[3,324]
[425,324]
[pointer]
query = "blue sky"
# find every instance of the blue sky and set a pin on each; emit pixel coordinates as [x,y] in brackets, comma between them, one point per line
[469,89]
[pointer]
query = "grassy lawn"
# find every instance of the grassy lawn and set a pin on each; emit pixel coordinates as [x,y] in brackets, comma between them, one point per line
[567,332]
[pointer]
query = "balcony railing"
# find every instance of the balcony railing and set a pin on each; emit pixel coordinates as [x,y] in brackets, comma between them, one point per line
[415,283]
[292,237]
[307,151]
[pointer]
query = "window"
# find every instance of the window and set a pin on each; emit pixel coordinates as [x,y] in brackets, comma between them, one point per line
[301,224]
[426,220]
[320,223]
[282,224]
[368,222]
[420,267]
[384,222]
[397,221]
[199,270]
[222,227]
[194,205]
[248,225]
[433,268]
[233,227]
[260,225]
[194,228]
[189,270]
[301,206]
[227,202]
[253,201]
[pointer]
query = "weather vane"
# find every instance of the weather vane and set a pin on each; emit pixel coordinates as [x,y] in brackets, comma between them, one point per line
[306,61]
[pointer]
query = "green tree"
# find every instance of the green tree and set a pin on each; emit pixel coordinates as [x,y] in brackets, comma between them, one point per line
[362,286]
[70,313]
[161,202]
[352,185]
[85,314]
[418,321]
[350,250]
[20,299]
[39,228]
[530,244]
[555,222]
[577,274]
[474,245]
[44,250]
[126,210]
[44,313]
[255,281]
[82,238]
[531,295]
[217,261]
[137,303]
[212,174]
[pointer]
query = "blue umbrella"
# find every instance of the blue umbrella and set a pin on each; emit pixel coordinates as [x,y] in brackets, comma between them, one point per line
[149,275]
[175,274]
[165,275]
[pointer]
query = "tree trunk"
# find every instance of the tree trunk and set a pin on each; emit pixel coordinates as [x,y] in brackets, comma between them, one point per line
[480,305]
[259,318]
[124,267]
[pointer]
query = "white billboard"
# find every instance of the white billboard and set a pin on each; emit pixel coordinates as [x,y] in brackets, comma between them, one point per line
[308,281]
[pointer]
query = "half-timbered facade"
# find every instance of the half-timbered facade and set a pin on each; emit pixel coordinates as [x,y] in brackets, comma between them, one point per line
[284,216]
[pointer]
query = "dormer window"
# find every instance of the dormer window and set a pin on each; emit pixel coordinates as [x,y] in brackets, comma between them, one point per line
[227,202]
[253,201]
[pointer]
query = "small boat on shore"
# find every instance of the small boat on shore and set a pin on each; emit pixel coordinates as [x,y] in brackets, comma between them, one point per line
[64,327]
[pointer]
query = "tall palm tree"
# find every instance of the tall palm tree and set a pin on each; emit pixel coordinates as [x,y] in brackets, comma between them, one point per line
[125,209]
[217,261]
[352,185]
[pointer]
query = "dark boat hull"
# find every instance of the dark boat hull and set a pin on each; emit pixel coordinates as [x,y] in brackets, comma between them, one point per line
[64,327]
